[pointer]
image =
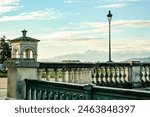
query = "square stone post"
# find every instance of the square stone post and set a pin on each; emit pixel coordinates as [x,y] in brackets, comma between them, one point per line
[134,74]
[18,70]
[88,91]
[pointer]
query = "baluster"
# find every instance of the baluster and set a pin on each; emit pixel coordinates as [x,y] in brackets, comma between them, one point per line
[62,96]
[106,75]
[97,76]
[33,94]
[146,76]
[89,75]
[75,75]
[70,75]
[102,76]
[44,74]
[56,95]
[149,73]
[93,75]
[146,73]
[68,96]
[44,94]
[120,75]
[86,76]
[75,97]
[56,74]
[28,94]
[50,95]
[111,76]
[39,74]
[38,94]
[124,74]
[115,76]
[48,74]
[142,74]
[83,75]
[80,76]
[64,75]
[72,79]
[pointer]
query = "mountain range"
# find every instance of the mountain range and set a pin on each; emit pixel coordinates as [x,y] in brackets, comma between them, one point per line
[101,56]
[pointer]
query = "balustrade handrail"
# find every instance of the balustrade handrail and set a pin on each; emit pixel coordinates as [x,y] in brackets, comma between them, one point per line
[80,64]
[87,91]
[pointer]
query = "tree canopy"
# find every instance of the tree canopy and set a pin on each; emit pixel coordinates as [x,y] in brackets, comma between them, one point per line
[5,49]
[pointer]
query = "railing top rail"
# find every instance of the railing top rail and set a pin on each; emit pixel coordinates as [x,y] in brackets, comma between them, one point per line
[96,90]
[145,64]
[128,93]
[81,65]
[54,84]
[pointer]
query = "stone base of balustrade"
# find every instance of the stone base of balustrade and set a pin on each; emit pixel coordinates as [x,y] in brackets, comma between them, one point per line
[137,85]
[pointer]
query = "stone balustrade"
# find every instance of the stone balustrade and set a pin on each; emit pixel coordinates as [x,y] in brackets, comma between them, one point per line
[112,74]
[124,75]
[79,73]
[44,90]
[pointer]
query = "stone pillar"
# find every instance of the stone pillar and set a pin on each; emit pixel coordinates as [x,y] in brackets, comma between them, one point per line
[134,74]
[18,71]
[88,91]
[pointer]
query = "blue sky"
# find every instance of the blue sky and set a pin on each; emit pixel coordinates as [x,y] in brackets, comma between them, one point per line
[75,26]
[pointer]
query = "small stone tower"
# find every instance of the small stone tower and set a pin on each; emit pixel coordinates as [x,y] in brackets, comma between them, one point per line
[22,65]
[24,47]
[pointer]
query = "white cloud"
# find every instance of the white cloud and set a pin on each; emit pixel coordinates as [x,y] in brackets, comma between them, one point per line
[115,5]
[46,14]
[119,24]
[128,0]
[71,1]
[86,30]
[95,37]
[9,5]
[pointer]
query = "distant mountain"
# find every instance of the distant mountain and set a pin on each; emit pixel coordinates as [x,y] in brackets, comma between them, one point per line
[140,59]
[88,56]
[94,56]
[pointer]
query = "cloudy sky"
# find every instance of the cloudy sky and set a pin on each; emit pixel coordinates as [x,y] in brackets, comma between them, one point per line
[75,26]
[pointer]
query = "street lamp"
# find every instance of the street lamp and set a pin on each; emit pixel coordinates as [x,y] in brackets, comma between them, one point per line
[109,16]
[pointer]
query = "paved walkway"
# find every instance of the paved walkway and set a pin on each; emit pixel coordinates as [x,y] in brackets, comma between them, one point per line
[3,88]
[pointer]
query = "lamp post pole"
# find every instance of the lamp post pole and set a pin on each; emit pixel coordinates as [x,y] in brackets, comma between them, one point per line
[109,16]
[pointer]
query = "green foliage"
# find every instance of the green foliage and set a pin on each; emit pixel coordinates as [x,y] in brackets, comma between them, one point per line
[5,49]
[3,73]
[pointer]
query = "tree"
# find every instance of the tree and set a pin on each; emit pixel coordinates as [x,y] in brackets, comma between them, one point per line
[5,49]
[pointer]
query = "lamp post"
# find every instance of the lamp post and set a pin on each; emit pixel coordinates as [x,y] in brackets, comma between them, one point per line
[109,16]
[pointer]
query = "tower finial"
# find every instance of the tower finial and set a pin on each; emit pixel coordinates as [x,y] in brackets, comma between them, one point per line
[24,32]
